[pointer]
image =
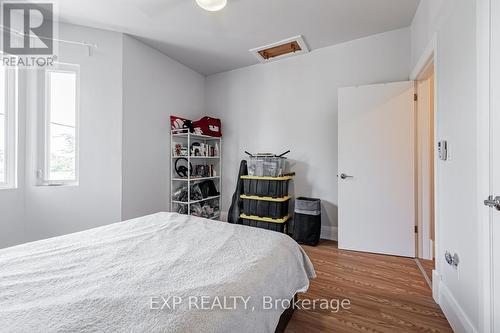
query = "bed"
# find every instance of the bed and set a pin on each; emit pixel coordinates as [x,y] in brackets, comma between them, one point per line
[127,276]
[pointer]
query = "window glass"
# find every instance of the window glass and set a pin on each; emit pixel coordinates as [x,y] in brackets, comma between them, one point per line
[62,138]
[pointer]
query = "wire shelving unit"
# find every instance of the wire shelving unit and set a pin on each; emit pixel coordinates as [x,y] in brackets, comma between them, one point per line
[185,138]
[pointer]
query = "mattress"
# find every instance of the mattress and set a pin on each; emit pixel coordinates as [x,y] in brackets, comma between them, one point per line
[159,273]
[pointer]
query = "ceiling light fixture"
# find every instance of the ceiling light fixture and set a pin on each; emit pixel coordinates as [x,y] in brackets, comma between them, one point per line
[212,5]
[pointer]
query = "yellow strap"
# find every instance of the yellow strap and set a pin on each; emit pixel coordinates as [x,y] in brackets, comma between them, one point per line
[254,197]
[265,219]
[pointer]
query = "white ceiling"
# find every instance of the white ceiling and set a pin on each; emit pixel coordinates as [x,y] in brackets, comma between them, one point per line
[215,42]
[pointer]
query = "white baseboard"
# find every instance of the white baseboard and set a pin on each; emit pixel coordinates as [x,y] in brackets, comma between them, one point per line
[436,281]
[458,319]
[331,233]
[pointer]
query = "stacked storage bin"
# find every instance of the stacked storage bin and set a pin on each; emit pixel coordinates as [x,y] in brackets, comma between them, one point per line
[265,198]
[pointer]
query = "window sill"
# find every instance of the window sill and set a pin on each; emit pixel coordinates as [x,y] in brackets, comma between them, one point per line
[8,187]
[57,184]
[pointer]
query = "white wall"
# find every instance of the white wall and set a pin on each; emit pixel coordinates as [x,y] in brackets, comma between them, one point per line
[52,211]
[12,217]
[428,19]
[154,87]
[12,212]
[120,159]
[292,104]
[457,219]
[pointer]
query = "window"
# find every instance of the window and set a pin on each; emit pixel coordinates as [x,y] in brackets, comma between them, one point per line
[60,151]
[8,124]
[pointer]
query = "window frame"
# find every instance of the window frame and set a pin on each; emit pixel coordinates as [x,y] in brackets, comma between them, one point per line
[11,128]
[43,172]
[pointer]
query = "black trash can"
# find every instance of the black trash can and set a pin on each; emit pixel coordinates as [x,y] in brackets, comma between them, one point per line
[307,221]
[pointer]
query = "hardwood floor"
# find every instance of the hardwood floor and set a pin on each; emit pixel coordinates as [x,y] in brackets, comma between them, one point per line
[387,294]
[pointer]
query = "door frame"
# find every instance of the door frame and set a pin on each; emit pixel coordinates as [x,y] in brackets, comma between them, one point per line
[430,55]
[424,245]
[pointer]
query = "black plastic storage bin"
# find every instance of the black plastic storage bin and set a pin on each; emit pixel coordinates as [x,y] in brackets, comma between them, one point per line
[274,187]
[275,209]
[279,227]
[307,221]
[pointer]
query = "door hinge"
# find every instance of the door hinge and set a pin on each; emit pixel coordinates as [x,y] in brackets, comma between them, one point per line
[415,97]
[416,229]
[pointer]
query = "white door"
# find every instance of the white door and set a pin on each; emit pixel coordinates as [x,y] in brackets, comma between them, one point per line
[495,159]
[376,159]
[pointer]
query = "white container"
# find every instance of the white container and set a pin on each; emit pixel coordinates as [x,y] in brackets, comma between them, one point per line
[266,166]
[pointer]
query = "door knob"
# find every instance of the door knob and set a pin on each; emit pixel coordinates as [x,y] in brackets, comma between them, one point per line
[344,176]
[493,202]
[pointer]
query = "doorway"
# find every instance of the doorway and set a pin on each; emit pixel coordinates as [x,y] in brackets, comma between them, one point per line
[425,171]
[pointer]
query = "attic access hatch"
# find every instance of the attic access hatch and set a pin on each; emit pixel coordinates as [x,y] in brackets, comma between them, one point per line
[282,49]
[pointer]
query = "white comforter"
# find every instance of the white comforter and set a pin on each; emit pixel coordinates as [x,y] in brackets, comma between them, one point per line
[117,278]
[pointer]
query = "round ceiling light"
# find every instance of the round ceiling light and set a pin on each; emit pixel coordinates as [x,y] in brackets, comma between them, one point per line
[212,5]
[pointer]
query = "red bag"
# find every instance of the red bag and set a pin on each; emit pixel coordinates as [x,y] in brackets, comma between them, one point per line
[180,123]
[208,126]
